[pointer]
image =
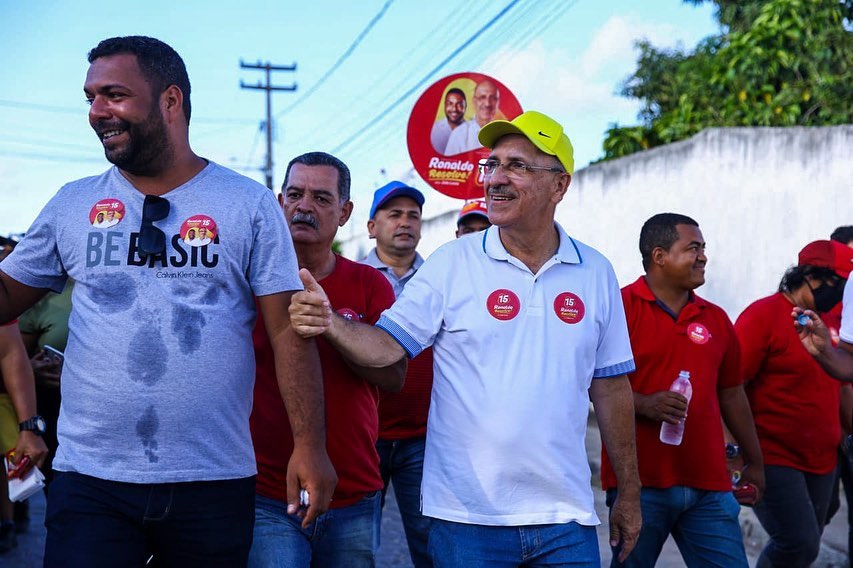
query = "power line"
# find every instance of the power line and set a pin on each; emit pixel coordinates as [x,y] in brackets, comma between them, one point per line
[79,111]
[360,132]
[349,51]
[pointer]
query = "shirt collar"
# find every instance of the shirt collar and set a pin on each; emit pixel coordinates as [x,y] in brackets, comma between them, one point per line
[567,250]
[373,260]
[641,289]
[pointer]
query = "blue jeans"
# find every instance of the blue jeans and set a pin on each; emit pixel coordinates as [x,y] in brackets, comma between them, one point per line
[94,523]
[401,462]
[793,512]
[479,546]
[340,537]
[704,525]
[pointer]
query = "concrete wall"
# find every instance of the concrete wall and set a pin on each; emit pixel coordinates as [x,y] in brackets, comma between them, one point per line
[759,195]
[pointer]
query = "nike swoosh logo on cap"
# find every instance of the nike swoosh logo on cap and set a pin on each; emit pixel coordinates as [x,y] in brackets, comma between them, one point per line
[543,134]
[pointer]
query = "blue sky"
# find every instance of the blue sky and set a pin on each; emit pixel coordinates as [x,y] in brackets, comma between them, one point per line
[563,57]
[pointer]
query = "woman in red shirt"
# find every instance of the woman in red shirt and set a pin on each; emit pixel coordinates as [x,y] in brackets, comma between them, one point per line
[795,405]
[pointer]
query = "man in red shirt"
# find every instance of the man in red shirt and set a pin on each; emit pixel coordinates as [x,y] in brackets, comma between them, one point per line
[316,201]
[686,491]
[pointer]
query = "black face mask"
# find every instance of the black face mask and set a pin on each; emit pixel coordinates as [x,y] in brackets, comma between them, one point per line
[826,297]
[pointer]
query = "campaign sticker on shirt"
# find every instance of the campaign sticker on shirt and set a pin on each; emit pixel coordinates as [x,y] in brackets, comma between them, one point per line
[106,213]
[569,307]
[198,230]
[698,333]
[350,314]
[503,304]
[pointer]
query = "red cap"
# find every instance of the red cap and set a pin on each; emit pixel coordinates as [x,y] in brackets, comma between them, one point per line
[473,208]
[828,254]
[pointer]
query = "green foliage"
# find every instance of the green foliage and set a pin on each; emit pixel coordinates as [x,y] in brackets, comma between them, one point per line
[778,63]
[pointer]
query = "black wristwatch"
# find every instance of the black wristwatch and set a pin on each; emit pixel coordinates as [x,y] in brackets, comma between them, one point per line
[36,425]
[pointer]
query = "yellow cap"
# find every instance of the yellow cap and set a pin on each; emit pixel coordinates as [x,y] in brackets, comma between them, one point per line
[545,133]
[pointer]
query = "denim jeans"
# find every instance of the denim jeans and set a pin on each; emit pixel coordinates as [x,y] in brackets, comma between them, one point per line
[479,546]
[401,462]
[94,523]
[340,537]
[704,525]
[793,512]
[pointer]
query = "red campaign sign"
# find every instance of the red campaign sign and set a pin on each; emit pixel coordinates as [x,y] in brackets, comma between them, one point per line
[443,128]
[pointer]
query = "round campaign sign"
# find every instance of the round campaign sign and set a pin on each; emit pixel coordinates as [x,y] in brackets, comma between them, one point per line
[698,333]
[349,313]
[443,128]
[198,230]
[569,307]
[503,304]
[106,213]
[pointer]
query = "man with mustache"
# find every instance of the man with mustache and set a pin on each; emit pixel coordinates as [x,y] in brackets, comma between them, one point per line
[454,115]
[687,490]
[487,97]
[528,327]
[315,198]
[395,223]
[155,454]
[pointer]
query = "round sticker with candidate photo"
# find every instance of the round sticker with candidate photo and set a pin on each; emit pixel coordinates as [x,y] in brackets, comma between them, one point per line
[106,213]
[698,333]
[199,231]
[569,307]
[349,313]
[503,304]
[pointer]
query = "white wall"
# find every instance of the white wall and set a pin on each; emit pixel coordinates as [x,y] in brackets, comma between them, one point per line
[759,195]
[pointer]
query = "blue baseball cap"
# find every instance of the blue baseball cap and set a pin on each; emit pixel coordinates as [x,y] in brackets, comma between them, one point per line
[391,190]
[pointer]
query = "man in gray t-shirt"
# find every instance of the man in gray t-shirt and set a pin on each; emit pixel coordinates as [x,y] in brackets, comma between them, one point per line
[155,455]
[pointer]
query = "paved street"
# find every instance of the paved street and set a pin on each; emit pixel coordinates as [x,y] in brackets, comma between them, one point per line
[394,554]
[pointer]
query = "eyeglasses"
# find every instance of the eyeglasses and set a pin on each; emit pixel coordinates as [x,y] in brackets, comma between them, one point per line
[152,240]
[513,168]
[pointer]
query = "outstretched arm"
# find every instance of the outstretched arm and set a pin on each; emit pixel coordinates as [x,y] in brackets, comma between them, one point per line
[837,361]
[364,345]
[297,367]
[614,409]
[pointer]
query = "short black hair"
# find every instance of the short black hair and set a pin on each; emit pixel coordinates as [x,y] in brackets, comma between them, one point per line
[660,231]
[795,276]
[160,64]
[843,234]
[324,159]
[456,91]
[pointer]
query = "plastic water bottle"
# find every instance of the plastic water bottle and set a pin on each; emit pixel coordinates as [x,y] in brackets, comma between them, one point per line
[672,433]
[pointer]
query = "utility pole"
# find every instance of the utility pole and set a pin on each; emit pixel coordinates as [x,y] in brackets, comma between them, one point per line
[269,89]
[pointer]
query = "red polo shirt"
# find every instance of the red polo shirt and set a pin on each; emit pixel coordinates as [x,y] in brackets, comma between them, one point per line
[359,292]
[794,402]
[700,340]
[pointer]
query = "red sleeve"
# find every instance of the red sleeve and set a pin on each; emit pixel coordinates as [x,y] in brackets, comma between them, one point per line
[753,333]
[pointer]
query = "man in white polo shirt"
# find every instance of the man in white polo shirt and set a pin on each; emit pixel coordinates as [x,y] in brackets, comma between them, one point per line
[527,327]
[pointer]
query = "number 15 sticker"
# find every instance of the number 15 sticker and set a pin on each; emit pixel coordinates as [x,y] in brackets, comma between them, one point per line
[569,307]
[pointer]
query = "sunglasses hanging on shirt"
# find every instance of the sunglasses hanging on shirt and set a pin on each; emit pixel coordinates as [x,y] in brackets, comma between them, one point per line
[152,240]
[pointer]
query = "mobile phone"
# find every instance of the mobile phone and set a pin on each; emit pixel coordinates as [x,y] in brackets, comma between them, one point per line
[746,494]
[55,355]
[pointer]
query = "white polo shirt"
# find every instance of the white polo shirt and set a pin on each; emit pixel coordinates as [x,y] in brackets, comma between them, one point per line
[515,353]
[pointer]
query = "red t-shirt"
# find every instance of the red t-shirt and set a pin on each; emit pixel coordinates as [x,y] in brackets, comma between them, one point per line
[702,341]
[794,402]
[404,414]
[352,424]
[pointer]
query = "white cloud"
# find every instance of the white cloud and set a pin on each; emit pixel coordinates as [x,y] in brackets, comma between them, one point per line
[613,43]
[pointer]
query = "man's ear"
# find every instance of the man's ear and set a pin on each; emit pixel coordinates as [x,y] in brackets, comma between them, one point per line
[371,228]
[172,103]
[346,211]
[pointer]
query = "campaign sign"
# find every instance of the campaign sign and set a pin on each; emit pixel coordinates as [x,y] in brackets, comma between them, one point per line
[443,128]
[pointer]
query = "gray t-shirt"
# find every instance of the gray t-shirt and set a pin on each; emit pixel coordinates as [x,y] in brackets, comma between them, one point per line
[159,369]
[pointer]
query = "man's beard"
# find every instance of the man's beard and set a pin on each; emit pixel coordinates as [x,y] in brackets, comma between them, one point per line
[148,148]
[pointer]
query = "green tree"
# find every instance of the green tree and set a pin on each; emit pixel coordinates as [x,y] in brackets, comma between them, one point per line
[775,63]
